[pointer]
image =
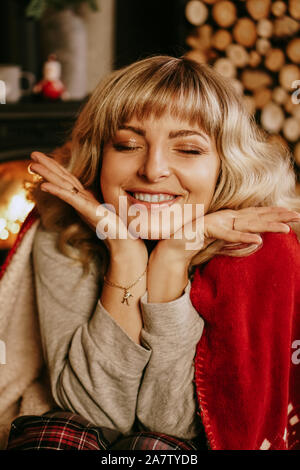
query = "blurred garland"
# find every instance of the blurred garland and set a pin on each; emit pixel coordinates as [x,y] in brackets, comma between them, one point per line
[37,8]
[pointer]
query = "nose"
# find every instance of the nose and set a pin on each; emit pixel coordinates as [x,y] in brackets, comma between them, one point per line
[155,165]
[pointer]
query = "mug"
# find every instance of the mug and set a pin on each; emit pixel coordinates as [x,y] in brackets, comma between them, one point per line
[10,79]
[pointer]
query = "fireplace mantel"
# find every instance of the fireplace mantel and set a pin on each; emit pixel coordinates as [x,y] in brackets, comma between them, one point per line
[26,126]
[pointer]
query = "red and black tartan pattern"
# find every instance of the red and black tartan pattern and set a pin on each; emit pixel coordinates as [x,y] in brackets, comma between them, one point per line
[63,430]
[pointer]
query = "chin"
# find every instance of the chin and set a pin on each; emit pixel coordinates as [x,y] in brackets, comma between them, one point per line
[155,232]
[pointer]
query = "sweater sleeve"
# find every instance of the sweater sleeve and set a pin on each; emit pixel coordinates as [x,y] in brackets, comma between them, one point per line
[172,331]
[95,368]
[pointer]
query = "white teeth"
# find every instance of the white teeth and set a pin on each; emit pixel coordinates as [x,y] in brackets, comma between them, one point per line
[153,197]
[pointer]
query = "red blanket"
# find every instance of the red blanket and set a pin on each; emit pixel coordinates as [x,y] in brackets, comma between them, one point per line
[247,364]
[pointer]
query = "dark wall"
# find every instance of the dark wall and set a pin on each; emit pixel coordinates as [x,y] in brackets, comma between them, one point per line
[19,36]
[145,27]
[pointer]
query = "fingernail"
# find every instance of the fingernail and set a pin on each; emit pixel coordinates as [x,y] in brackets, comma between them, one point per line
[44,189]
[33,156]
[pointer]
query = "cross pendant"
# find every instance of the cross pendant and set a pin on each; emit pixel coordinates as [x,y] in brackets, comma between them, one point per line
[126,296]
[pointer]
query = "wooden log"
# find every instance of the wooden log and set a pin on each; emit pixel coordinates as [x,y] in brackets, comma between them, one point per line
[237,85]
[263,46]
[272,117]
[274,60]
[285,26]
[249,104]
[278,8]
[193,41]
[294,9]
[262,96]
[287,75]
[244,32]
[196,12]
[292,108]
[254,79]
[291,129]
[221,39]
[237,55]
[197,56]
[201,38]
[225,67]
[254,58]
[224,13]
[293,50]
[297,153]
[204,34]
[258,9]
[296,112]
[264,28]
[280,95]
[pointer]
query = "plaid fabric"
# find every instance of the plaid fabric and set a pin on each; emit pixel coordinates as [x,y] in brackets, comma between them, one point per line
[63,430]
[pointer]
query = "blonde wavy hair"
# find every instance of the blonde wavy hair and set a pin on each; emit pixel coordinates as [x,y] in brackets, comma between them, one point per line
[254,171]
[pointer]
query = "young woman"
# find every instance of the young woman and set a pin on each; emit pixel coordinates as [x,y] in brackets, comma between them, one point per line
[144,328]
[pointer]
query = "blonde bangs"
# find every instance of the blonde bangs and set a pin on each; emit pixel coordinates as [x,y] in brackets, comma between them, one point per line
[173,87]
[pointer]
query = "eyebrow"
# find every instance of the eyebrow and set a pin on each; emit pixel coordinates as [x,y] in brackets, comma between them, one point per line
[172,134]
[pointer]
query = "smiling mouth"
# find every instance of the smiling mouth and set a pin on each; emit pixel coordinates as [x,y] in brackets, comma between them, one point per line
[148,199]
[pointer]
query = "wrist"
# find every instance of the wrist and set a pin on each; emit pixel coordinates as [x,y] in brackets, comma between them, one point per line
[166,278]
[170,258]
[129,254]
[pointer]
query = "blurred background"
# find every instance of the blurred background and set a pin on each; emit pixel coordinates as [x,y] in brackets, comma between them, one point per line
[54,52]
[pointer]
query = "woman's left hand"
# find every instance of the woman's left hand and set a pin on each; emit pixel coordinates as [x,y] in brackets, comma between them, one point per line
[238,228]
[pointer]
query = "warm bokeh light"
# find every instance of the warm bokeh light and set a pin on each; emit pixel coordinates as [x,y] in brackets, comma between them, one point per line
[4,234]
[14,205]
[18,207]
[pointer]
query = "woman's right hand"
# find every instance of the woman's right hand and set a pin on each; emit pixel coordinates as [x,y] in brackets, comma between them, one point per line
[61,183]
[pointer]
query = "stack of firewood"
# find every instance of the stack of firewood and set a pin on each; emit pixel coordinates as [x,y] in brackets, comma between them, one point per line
[256,44]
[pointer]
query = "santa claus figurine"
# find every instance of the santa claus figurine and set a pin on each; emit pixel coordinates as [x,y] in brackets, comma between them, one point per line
[51,86]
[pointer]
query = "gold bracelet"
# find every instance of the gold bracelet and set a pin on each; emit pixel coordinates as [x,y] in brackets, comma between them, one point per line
[127,294]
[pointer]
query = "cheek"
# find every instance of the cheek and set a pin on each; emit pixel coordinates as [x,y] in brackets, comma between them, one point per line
[202,177]
[200,181]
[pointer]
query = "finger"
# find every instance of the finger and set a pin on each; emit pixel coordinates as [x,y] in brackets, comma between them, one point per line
[283,216]
[276,227]
[56,167]
[268,213]
[80,201]
[53,177]
[90,210]
[263,224]
[263,209]
[235,236]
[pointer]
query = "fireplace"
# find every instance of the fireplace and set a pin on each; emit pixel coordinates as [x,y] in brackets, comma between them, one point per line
[25,127]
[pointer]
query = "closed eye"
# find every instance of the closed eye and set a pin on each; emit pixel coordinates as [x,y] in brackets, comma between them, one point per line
[191,151]
[125,148]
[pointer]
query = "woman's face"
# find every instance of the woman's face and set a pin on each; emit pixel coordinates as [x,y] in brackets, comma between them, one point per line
[158,159]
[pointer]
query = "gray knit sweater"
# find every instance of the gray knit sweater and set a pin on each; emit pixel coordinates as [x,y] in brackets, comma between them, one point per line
[96,369]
